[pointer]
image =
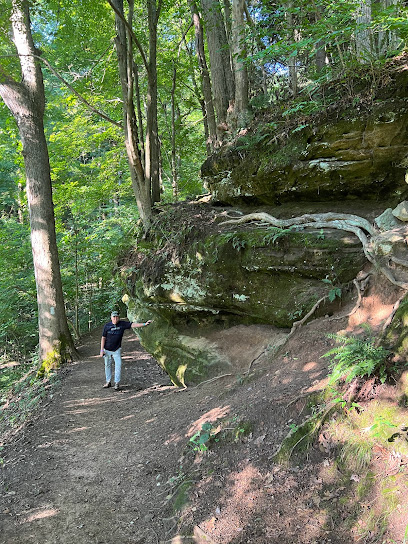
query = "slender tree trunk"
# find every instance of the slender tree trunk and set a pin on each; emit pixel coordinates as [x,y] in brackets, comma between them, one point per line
[26,101]
[292,60]
[152,137]
[139,113]
[20,204]
[205,79]
[220,65]
[260,46]
[238,55]
[140,182]
[320,57]
[228,19]
[174,171]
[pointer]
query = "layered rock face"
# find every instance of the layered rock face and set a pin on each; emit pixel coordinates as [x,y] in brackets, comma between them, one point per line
[353,153]
[235,277]
[251,282]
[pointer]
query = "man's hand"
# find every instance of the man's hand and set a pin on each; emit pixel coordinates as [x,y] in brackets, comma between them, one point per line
[102,352]
[148,322]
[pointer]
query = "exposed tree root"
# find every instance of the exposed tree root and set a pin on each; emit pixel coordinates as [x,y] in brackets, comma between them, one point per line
[359,226]
[361,284]
[400,262]
[204,382]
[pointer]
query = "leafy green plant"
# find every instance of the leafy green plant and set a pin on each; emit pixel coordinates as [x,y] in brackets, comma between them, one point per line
[293,427]
[274,234]
[333,293]
[356,357]
[200,440]
[243,428]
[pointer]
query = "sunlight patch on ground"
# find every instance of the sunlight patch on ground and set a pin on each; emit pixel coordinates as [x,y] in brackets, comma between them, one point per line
[208,417]
[372,311]
[40,513]
[309,366]
[118,397]
[317,385]
[173,439]
[236,509]
[77,430]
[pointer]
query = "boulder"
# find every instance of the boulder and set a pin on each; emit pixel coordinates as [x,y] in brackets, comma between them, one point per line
[252,276]
[401,211]
[387,220]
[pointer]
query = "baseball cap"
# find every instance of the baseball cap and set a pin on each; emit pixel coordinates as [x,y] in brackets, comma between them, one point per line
[115,314]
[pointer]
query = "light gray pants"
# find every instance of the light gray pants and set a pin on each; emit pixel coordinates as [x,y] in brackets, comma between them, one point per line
[116,356]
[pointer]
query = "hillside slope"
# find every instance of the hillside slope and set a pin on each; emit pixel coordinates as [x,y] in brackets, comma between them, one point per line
[95,466]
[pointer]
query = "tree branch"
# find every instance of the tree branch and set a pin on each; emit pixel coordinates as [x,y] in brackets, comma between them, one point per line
[79,96]
[134,37]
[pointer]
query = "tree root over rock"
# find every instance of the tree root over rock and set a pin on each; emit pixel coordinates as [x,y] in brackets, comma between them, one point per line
[358,226]
[361,228]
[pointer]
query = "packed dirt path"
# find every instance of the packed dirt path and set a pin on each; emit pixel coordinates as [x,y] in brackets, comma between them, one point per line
[99,466]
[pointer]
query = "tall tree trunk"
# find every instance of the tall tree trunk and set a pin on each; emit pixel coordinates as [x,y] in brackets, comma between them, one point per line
[140,182]
[320,57]
[260,47]
[228,18]
[363,35]
[292,60]
[238,55]
[139,113]
[220,65]
[205,79]
[152,137]
[174,170]
[26,102]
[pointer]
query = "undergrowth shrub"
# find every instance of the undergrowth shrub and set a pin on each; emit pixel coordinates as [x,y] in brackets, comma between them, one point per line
[355,357]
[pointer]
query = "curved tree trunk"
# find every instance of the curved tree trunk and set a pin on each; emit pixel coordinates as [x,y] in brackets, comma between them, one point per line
[26,101]
[140,182]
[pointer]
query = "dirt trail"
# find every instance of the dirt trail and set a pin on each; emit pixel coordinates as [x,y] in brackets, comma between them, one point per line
[98,466]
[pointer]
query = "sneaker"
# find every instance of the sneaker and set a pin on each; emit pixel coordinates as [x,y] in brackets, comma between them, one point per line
[107,384]
[117,387]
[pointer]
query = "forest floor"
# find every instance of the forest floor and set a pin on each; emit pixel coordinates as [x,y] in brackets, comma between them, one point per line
[98,466]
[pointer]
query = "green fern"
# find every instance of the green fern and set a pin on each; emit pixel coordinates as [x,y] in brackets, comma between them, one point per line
[356,357]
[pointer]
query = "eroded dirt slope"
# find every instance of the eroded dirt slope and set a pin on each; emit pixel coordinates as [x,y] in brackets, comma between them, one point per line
[96,466]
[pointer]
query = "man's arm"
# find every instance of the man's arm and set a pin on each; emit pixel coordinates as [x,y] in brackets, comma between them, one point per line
[137,325]
[103,340]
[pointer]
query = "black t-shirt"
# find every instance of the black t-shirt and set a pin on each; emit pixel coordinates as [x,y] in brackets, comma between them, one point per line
[114,334]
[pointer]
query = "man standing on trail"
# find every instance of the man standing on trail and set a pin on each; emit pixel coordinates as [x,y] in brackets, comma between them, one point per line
[111,342]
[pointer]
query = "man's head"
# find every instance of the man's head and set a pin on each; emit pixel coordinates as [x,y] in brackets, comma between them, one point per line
[115,317]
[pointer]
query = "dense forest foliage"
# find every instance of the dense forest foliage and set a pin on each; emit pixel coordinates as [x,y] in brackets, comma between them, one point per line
[137,95]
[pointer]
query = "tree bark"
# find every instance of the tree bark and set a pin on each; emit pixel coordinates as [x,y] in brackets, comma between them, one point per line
[238,55]
[228,18]
[140,182]
[152,137]
[174,171]
[205,79]
[26,102]
[363,36]
[220,66]
[292,60]
[139,113]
